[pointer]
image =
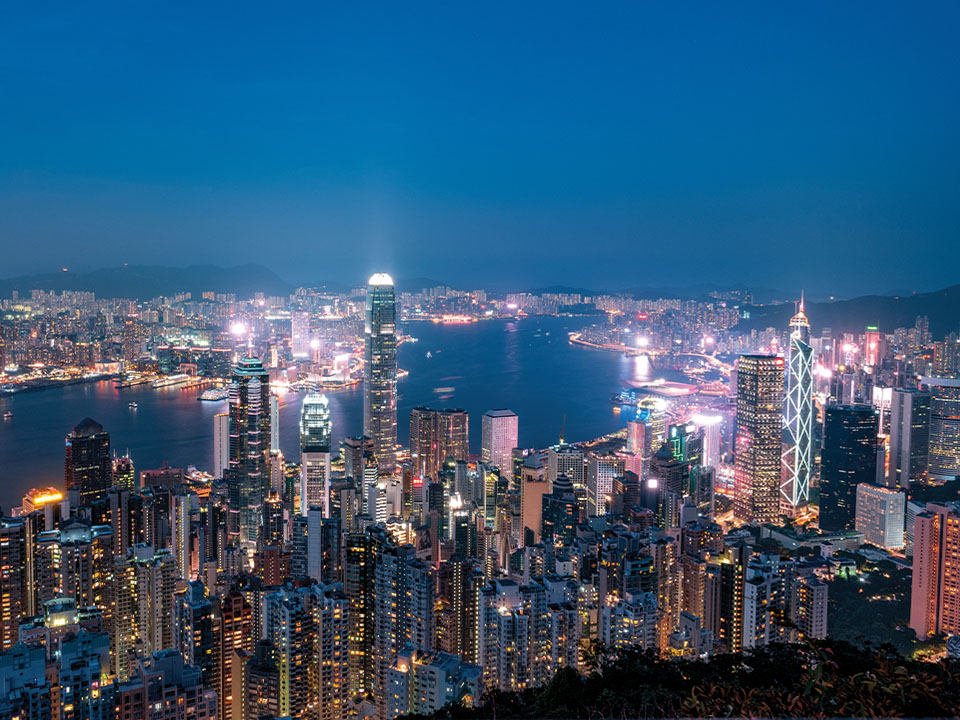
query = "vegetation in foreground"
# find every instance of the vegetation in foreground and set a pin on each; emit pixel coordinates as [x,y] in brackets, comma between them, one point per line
[823,679]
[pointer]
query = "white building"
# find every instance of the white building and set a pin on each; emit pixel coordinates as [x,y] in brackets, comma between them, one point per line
[499,436]
[880,515]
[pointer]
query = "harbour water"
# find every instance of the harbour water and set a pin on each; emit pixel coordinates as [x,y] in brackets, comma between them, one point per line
[526,365]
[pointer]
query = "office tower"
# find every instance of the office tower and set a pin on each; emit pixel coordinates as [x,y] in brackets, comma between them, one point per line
[315,433]
[453,435]
[759,438]
[568,460]
[873,347]
[361,553]
[353,450]
[499,433]
[533,486]
[274,424]
[935,588]
[233,616]
[249,445]
[403,619]
[944,457]
[182,506]
[88,468]
[14,581]
[673,477]
[163,680]
[124,475]
[221,444]
[194,631]
[380,371]
[300,334]
[423,683]
[880,516]
[560,512]
[909,437]
[602,469]
[798,416]
[808,607]
[711,426]
[424,442]
[848,458]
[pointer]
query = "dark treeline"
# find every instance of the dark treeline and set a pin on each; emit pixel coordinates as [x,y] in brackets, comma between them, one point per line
[820,680]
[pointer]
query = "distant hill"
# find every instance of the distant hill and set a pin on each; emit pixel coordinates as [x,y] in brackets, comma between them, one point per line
[148,281]
[886,312]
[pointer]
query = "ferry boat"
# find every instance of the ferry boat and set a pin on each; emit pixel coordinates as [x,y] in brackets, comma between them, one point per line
[132,405]
[8,414]
[214,394]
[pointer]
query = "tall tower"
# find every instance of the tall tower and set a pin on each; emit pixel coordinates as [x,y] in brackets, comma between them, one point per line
[423,442]
[315,431]
[249,444]
[499,433]
[88,467]
[848,458]
[798,417]
[380,371]
[759,438]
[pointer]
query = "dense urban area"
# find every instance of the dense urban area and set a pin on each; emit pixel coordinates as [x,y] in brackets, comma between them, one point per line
[783,497]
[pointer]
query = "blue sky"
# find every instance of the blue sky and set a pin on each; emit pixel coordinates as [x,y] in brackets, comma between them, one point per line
[784,144]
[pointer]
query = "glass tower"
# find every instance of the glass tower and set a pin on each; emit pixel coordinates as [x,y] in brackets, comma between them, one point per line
[249,445]
[315,431]
[380,371]
[798,416]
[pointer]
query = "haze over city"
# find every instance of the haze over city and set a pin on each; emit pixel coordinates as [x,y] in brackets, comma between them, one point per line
[521,146]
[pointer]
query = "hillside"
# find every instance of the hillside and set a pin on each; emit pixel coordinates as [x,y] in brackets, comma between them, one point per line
[886,312]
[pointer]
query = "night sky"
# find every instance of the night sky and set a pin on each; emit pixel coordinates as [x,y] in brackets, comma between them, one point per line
[780,144]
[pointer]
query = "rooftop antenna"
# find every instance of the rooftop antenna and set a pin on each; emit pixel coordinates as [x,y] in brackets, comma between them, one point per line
[562,426]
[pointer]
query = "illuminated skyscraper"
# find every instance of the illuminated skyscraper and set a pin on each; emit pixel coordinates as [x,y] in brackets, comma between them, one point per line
[453,434]
[944,427]
[315,433]
[380,371]
[879,515]
[499,431]
[423,442]
[849,457]
[909,437]
[221,444]
[88,467]
[798,416]
[759,438]
[935,588]
[249,444]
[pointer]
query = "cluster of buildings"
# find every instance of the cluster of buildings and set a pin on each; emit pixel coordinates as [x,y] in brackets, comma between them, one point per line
[381,580]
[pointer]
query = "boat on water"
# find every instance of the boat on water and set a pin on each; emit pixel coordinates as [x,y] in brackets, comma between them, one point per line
[8,414]
[214,394]
[132,405]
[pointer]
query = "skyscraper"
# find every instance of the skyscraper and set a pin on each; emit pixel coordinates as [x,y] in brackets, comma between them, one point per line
[935,588]
[909,437]
[453,435]
[798,416]
[221,444]
[249,444]
[944,427]
[423,442]
[380,371]
[499,431]
[88,467]
[759,438]
[880,512]
[315,433]
[300,334]
[849,457]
